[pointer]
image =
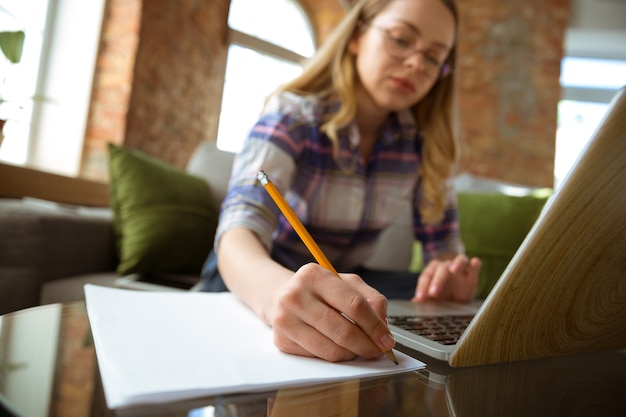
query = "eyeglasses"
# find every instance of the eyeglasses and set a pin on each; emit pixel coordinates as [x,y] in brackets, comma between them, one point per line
[401,46]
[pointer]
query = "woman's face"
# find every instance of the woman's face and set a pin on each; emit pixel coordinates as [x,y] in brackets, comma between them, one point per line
[400,53]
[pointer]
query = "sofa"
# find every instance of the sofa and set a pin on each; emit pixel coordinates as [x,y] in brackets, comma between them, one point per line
[48,251]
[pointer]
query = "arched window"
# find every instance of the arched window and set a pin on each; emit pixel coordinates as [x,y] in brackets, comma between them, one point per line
[268,41]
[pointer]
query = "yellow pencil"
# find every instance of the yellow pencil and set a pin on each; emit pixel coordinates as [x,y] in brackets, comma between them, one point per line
[306,237]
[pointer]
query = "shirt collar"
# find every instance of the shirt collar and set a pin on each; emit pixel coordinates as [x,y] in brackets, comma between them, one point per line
[399,126]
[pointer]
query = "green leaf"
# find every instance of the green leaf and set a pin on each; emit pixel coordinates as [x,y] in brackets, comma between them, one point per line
[12,44]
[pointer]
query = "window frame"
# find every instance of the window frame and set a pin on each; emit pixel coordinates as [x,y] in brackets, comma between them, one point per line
[269,49]
[583,94]
[55,135]
[236,37]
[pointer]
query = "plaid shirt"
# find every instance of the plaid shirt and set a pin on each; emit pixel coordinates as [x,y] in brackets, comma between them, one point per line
[343,202]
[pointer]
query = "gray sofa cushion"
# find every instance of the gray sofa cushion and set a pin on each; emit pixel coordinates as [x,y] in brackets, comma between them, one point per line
[214,166]
[42,242]
[72,288]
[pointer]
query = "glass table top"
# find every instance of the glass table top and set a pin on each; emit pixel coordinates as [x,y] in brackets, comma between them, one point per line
[48,367]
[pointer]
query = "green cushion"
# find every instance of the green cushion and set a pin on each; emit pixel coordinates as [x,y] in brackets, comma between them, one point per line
[164,219]
[417,255]
[493,226]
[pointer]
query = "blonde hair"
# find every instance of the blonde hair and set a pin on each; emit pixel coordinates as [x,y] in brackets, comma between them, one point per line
[332,69]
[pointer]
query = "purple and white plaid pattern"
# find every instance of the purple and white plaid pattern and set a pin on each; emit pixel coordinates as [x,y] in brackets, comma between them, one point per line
[343,205]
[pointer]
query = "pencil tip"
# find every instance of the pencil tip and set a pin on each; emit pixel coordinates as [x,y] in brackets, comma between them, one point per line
[391,356]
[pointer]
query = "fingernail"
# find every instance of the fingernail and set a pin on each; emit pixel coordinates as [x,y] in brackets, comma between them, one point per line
[387,341]
[433,290]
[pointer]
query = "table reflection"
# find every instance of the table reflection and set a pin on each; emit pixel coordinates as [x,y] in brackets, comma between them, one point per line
[582,385]
[47,361]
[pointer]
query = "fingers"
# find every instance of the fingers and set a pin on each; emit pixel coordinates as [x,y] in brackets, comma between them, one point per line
[376,300]
[367,308]
[475,265]
[473,273]
[320,315]
[453,280]
[425,279]
[292,335]
[459,263]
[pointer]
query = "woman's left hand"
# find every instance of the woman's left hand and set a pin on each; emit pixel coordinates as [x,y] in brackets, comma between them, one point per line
[450,280]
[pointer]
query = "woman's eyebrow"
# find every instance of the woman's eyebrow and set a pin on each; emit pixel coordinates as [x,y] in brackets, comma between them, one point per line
[417,30]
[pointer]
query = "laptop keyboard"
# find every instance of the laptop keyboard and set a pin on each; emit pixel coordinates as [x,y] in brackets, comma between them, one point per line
[441,329]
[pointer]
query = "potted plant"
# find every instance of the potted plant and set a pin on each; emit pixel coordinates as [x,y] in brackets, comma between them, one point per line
[11,44]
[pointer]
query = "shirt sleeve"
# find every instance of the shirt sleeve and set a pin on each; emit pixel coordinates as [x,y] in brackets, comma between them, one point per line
[444,237]
[269,147]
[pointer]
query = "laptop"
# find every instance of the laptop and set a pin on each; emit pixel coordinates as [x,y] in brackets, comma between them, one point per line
[564,291]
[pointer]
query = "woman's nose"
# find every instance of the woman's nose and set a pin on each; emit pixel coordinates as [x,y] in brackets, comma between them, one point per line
[416,60]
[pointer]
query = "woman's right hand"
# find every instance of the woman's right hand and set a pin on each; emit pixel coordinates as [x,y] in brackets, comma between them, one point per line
[318,315]
[307,309]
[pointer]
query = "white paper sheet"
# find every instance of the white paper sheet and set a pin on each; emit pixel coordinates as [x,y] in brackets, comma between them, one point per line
[157,347]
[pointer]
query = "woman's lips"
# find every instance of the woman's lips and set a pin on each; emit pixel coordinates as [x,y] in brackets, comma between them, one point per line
[403,84]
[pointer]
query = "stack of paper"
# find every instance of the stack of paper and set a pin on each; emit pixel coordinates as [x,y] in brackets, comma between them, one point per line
[157,347]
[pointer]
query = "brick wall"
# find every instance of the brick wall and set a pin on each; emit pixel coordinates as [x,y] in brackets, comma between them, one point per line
[177,87]
[112,84]
[509,69]
[169,101]
[163,96]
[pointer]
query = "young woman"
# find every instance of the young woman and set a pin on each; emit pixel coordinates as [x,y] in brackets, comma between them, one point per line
[363,132]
